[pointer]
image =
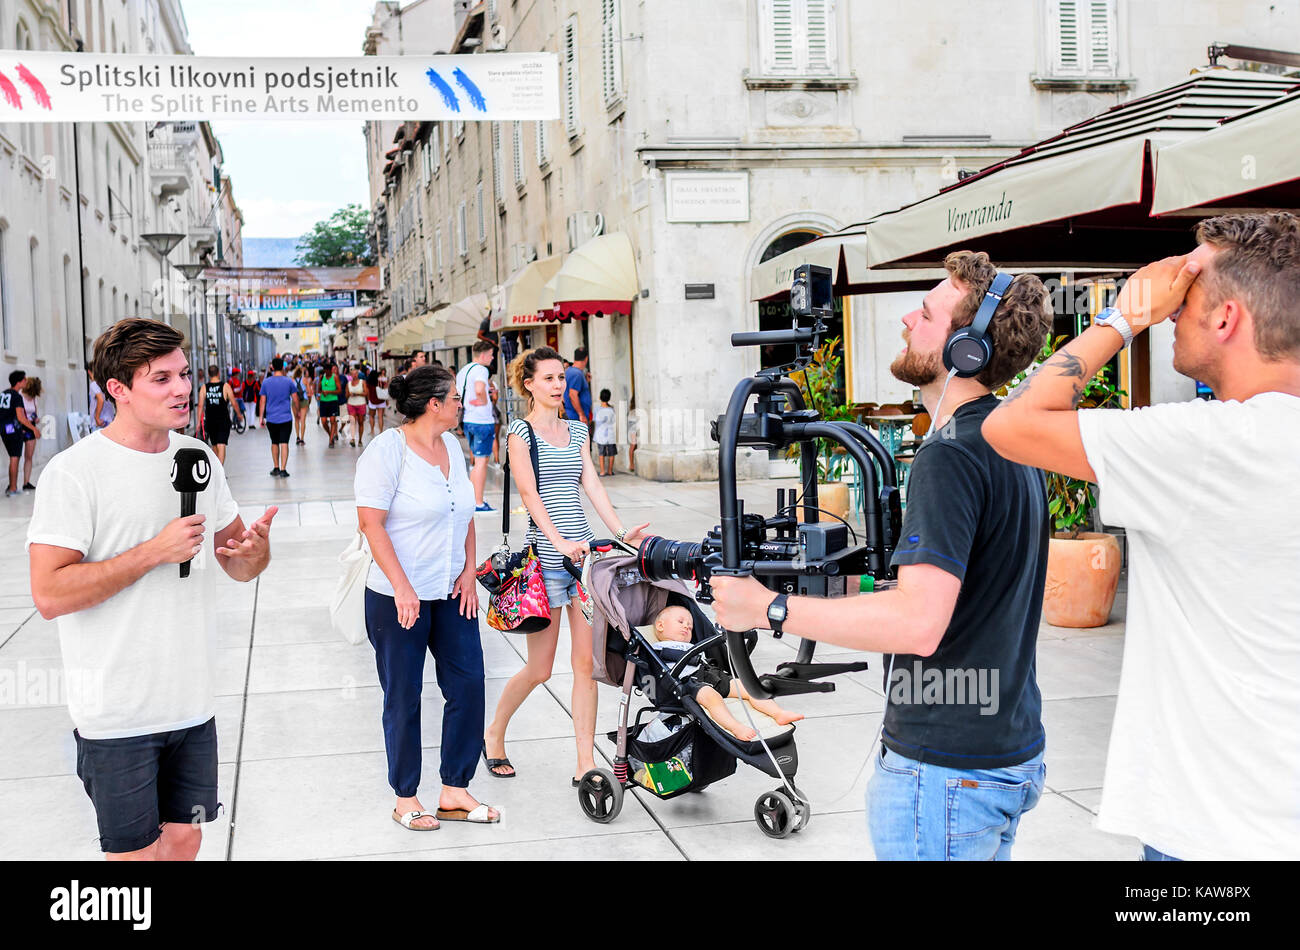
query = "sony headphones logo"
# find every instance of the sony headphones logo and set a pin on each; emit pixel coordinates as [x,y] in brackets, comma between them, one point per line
[972,357]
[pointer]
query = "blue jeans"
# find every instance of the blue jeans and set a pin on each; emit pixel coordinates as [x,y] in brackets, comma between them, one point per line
[458,663]
[922,812]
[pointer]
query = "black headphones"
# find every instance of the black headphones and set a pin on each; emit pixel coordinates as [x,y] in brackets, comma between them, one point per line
[970,349]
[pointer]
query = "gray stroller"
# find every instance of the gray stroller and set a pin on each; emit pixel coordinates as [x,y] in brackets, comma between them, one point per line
[672,746]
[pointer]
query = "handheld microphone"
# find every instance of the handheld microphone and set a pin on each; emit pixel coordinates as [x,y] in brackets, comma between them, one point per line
[191,472]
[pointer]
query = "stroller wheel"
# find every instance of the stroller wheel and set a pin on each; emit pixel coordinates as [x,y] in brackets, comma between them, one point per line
[775,814]
[802,814]
[600,795]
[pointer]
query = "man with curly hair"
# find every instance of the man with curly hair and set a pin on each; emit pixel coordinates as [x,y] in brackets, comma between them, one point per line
[962,742]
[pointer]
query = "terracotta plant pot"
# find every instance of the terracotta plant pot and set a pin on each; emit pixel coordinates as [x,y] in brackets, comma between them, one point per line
[834,497]
[1082,574]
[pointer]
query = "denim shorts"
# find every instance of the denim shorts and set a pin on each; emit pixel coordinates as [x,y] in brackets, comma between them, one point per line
[480,436]
[139,782]
[919,811]
[561,586]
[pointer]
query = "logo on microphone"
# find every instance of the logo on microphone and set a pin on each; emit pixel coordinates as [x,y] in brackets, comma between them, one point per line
[191,473]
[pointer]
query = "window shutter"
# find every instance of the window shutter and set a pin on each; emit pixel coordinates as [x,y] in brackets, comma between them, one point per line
[611,51]
[435,150]
[778,29]
[571,76]
[497,161]
[517,137]
[446,144]
[437,245]
[820,20]
[462,237]
[1068,58]
[543,145]
[1101,37]
[482,214]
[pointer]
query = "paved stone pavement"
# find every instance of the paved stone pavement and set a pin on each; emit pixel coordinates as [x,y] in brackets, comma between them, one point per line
[302,766]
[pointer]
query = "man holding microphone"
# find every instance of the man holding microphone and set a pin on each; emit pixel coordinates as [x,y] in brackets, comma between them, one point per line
[138,637]
[1204,762]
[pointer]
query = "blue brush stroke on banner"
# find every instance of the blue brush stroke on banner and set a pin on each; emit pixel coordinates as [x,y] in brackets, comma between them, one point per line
[475,96]
[448,94]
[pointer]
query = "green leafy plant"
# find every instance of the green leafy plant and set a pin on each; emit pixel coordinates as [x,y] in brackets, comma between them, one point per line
[1070,501]
[823,391]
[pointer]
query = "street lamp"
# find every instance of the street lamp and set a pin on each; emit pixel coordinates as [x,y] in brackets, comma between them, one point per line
[198,337]
[162,245]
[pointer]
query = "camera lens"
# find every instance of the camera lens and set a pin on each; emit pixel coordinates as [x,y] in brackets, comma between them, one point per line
[664,558]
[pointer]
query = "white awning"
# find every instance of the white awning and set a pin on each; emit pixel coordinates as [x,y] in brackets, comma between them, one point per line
[1251,152]
[516,300]
[458,324]
[598,279]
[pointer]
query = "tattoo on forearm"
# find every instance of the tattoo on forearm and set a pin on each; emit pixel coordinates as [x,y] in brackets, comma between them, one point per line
[1078,396]
[1069,365]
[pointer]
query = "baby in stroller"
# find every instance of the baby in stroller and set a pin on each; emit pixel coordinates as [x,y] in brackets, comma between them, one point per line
[708,685]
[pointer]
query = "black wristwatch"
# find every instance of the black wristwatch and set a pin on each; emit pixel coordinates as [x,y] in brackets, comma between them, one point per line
[776,613]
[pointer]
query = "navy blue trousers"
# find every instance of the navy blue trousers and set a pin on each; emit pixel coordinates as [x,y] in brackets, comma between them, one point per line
[458,664]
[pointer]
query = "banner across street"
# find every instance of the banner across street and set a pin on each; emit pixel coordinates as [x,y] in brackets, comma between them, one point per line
[86,87]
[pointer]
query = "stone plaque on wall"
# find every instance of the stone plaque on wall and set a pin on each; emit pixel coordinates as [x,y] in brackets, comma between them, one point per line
[707,196]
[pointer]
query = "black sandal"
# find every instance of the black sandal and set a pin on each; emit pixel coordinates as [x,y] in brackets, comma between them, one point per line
[496,764]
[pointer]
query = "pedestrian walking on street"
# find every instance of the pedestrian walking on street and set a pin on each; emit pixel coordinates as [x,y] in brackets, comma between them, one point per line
[376,400]
[415,507]
[13,425]
[479,422]
[104,543]
[558,530]
[577,390]
[249,395]
[277,405]
[605,445]
[218,400]
[356,408]
[302,380]
[31,392]
[101,409]
[331,388]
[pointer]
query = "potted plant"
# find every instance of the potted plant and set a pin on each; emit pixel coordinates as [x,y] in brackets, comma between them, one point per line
[1082,565]
[821,383]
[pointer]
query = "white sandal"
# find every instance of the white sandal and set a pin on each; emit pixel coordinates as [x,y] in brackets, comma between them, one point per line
[410,816]
[479,816]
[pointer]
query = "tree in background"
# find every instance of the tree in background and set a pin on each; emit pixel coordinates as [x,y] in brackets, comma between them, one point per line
[338,241]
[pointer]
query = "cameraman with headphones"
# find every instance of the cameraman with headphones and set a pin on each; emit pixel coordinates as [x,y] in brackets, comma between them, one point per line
[962,741]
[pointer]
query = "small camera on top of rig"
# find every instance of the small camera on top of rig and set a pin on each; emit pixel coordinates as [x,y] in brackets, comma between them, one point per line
[812,293]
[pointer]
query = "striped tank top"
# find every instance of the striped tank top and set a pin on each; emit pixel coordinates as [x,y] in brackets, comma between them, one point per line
[558,486]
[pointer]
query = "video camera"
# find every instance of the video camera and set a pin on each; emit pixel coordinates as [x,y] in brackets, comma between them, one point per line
[788,553]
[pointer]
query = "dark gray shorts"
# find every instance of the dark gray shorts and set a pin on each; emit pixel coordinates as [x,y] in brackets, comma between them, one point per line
[139,782]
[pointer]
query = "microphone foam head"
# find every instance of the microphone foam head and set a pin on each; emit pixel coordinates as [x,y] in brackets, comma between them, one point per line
[191,470]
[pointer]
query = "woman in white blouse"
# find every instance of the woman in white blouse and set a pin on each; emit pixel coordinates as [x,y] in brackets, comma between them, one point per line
[415,505]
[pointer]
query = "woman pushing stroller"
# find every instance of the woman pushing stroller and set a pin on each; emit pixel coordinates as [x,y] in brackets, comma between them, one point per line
[559,530]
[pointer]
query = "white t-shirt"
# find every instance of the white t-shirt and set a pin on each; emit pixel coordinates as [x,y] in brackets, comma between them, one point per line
[1204,759]
[143,660]
[428,515]
[471,374]
[604,420]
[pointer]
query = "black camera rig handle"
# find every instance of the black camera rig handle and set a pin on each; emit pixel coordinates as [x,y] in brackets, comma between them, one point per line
[865,450]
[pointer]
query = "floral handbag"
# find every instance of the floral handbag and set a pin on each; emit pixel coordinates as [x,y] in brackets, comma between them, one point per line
[517,601]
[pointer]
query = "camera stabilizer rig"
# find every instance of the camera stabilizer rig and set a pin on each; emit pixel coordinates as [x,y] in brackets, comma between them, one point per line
[805,556]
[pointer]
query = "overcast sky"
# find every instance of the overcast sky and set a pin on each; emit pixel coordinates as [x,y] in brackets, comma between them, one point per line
[286,175]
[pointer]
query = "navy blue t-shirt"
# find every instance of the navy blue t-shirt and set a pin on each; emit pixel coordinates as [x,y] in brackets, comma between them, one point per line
[576,379]
[974,703]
